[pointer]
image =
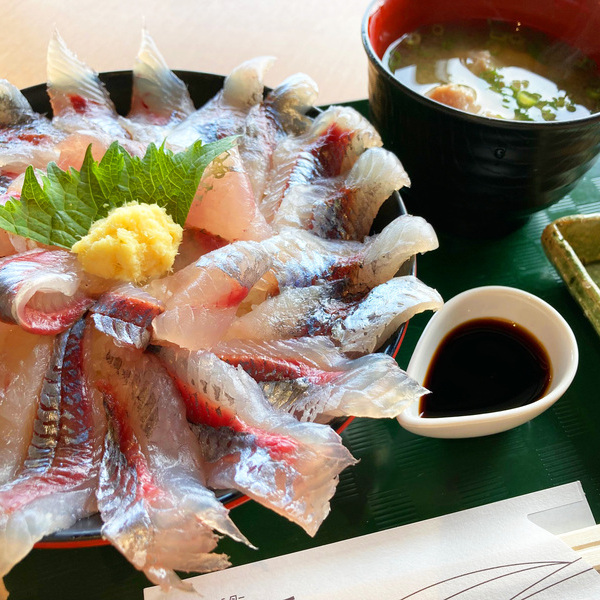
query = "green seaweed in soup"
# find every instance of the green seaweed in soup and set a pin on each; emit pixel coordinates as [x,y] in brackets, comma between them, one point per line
[497,69]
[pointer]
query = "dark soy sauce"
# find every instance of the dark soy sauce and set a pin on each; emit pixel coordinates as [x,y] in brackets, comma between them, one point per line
[485,365]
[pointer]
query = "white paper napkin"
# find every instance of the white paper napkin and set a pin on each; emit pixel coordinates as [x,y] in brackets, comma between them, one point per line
[494,552]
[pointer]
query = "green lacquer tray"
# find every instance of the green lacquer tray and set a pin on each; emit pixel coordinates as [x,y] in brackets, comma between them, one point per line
[402,478]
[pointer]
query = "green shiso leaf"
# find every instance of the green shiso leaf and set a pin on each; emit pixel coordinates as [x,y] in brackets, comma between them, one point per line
[61,210]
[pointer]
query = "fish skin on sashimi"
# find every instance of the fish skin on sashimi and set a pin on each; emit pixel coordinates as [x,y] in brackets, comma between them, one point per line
[313,380]
[152,495]
[201,300]
[329,148]
[26,138]
[288,466]
[281,113]
[40,291]
[24,359]
[225,113]
[159,99]
[80,102]
[126,314]
[301,258]
[358,322]
[347,212]
[381,312]
[56,484]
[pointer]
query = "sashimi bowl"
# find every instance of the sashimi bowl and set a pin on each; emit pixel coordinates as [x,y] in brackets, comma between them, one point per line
[113,355]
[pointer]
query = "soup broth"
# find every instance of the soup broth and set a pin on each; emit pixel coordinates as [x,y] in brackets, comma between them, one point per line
[497,69]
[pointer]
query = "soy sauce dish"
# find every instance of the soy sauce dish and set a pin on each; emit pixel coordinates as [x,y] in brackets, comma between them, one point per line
[494,358]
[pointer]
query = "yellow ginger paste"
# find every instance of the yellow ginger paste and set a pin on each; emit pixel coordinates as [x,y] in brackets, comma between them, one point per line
[134,242]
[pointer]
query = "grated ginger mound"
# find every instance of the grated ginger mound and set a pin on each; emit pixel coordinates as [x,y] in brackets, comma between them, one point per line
[134,242]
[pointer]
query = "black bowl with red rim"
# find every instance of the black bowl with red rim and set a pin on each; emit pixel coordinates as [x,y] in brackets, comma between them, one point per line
[471,174]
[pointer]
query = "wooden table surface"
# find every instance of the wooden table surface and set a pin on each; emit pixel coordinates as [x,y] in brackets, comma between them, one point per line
[322,39]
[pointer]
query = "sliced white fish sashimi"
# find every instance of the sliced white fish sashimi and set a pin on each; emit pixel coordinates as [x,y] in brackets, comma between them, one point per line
[126,314]
[329,148]
[24,359]
[159,99]
[288,466]
[344,208]
[223,374]
[281,113]
[56,484]
[201,300]
[225,204]
[295,312]
[152,496]
[80,102]
[311,379]
[358,323]
[26,138]
[385,252]
[157,92]
[301,258]
[225,114]
[40,291]
[194,244]
[382,312]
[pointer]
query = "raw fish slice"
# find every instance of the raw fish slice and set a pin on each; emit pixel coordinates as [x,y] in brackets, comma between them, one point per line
[295,312]
[56,484]
[159,99]
[201,300]
[79,100]
[225,204]
[281,113]
[40,291]
[288,466]
[152,496]
[73,148]
[26,138]
[328,149]
[194,244]
[225,114]
[24,359]
[382,312]
[311,379]
[14,107]
[125,314]
[301,258]
[227,207]
[158,94]
[344,208]
[357,323]
[385,252]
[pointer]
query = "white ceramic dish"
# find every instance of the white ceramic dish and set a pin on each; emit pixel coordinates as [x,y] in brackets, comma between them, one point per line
[520,307]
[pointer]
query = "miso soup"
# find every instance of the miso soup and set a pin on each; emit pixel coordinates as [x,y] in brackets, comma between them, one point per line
[497,69]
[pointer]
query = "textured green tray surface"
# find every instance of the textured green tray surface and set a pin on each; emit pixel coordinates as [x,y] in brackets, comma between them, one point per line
[401,477]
